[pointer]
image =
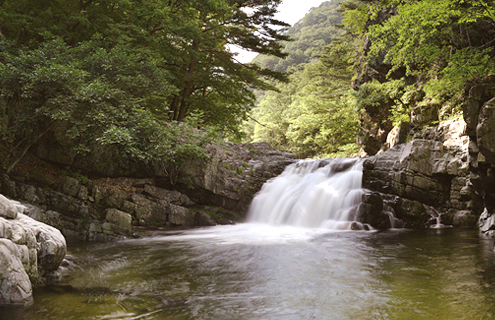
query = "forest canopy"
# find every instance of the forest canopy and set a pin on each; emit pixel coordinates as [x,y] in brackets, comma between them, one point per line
[119,71]
[134,73]
[377,63]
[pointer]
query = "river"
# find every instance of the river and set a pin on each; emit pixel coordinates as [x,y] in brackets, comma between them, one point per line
[296,259]
[252,271]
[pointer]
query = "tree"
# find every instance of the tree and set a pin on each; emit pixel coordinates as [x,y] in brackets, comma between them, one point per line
[439,45]
[313,114]
[116,71]
[89,95]
[191,37]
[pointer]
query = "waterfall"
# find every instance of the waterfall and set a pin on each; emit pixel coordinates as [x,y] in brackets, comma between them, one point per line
[314,194]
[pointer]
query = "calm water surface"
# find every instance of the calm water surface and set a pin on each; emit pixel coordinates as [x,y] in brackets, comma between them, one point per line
[251,271]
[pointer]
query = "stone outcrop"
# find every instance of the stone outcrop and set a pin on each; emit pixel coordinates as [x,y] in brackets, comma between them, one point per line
[232,175]
[30,252]
[206,192]
[418,180]
[479,114]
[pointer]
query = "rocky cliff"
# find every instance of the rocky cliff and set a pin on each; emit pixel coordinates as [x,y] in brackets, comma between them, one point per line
[424,181]
[446,170]
[208,191]
[479,113]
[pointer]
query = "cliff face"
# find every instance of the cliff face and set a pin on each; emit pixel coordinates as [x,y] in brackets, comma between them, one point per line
[446,171]
[425,179]
[479,113]
[203,192]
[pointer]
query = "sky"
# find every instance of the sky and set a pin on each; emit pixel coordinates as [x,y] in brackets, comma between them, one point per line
[290,11]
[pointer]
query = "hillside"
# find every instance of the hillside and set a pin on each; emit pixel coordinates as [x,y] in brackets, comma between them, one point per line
[309,35]
[312,114]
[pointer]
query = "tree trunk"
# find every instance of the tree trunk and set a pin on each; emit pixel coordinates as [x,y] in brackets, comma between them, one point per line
[173,108]
[26,148]
[188,87]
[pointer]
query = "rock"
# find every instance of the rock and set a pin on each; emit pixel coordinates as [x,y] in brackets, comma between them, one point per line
[144,207]
[70,186]
[479,113]
[7,208]
[174,197]
[397,135]
[485,130]
[119,218]
[231,175]
[141,183]
[227,179]
[430,170]
[181,216]
[486,222]
[15,286]
[464,218]
[29,252]
[114,198]
[202,219]
[371,211]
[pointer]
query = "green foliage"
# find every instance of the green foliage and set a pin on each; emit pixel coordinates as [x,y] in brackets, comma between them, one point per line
[173,57]
[114,72]
[439,44]
[314,113]
[86,94]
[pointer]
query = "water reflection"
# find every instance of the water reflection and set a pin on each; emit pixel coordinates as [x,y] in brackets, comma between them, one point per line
[260,272]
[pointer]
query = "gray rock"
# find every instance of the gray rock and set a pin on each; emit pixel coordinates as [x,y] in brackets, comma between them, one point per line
[174,197]
[15,286]
[485,130]
[144,207]
[7,208]
[486,222]
[114,198]
[181,216]
[119,218]
[430,170]
[202,219]
[70,186]
[29,251]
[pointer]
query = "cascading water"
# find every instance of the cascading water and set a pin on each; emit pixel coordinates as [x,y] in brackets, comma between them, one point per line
[315,194]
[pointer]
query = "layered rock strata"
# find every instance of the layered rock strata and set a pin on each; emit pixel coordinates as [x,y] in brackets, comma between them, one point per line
[205,192]
[479,114]
[423,182]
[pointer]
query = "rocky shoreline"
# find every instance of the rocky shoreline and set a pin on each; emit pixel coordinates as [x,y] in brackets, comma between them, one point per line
[207,192]
[30,254]
[214,191]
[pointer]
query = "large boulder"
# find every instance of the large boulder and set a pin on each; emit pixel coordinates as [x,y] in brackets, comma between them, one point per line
[231,175]
[30,251]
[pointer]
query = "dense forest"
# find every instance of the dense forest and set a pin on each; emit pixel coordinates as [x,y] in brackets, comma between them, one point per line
[159,80]
[387,61]
[130,73]
[313,114]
